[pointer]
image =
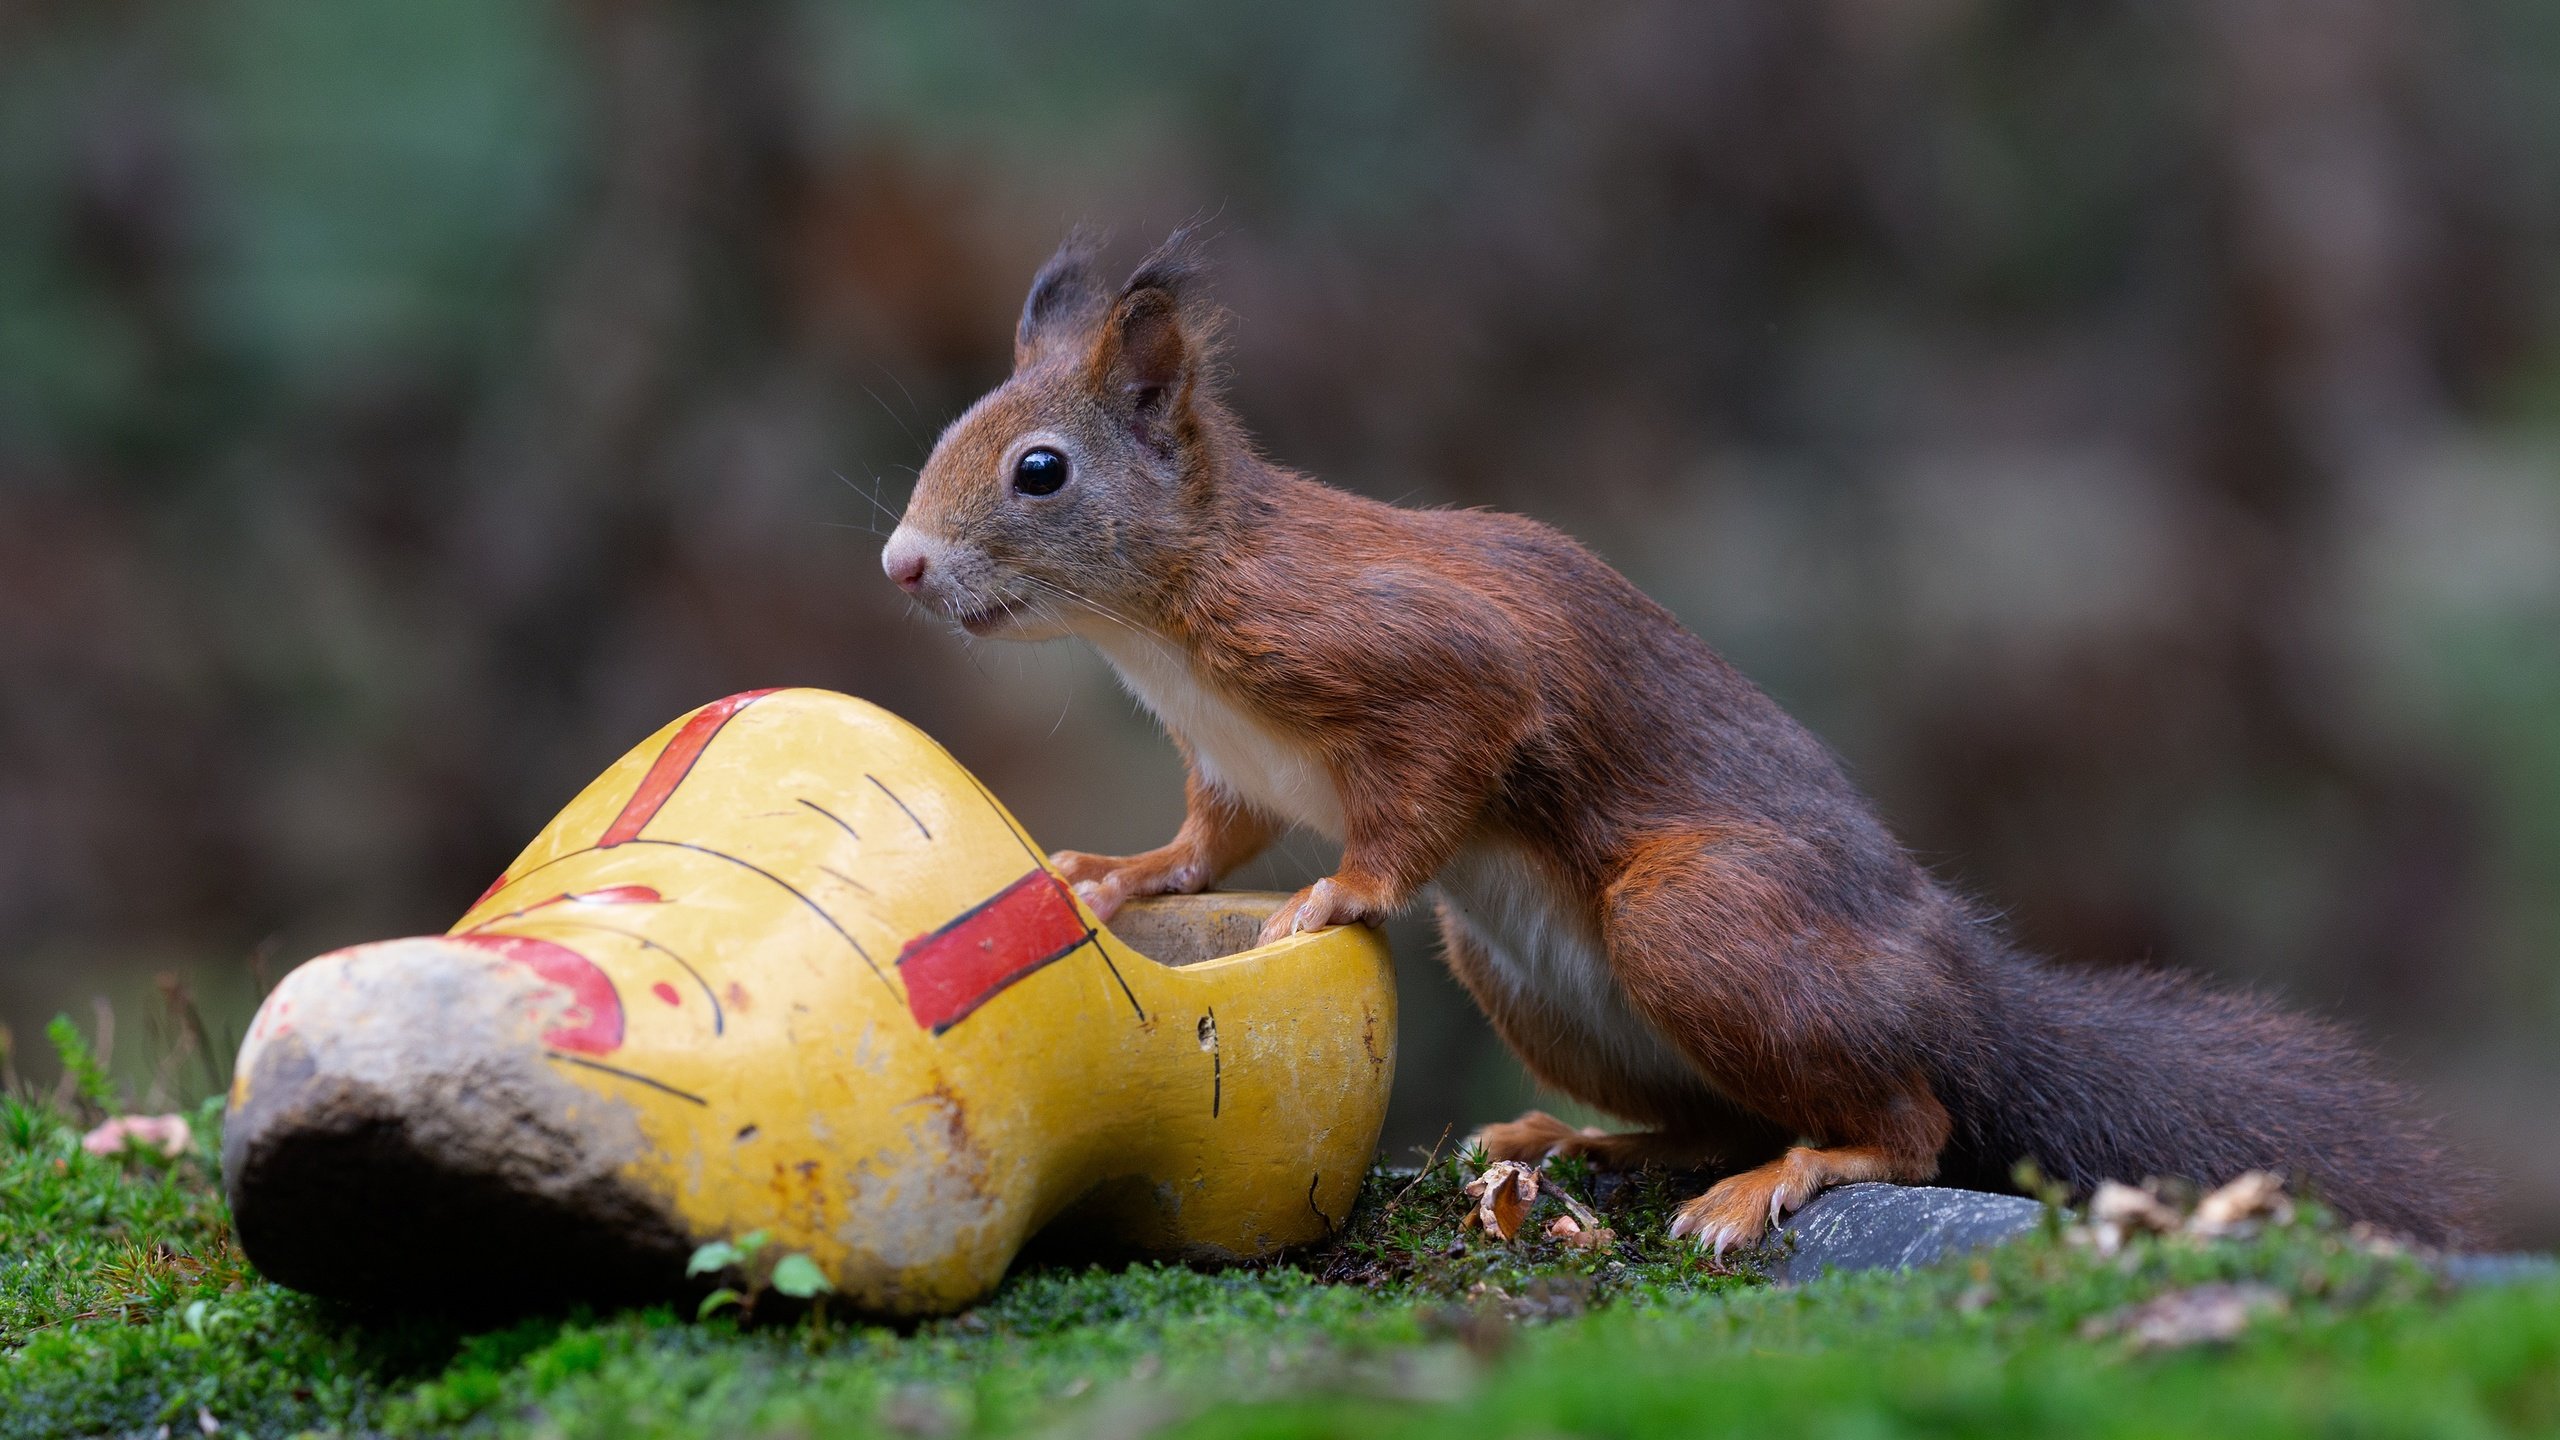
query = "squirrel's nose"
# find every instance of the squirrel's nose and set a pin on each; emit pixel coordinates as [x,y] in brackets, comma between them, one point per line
[904,561]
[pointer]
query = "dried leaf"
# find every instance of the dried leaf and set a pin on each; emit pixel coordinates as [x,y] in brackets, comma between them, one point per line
[2206,1314]
[2118,1212]
[1507,1206]
[2239,1205]
[2132,1208]
[2379,1243]
[1503,1195]
[1580,1236]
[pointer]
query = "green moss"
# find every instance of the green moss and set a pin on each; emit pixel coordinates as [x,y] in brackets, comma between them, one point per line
[124,1306]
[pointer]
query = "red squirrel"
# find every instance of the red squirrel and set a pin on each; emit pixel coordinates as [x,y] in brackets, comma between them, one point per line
[1663,891]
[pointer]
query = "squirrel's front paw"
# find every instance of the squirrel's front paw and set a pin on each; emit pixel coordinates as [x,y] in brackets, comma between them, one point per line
[1326,902]
[1103,882]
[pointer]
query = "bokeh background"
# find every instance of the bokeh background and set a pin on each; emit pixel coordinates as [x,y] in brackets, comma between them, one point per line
[2129,431]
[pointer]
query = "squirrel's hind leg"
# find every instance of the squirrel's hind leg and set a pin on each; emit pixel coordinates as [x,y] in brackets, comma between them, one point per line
[1537,1135]
[1740,1209]
[1693,1127]
[1798,1017]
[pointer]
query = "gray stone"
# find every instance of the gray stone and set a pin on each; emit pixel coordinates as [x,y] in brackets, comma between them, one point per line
[2503,1269]
[1896,1227]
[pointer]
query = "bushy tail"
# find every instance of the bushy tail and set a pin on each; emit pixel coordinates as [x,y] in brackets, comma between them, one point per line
[2130,1074]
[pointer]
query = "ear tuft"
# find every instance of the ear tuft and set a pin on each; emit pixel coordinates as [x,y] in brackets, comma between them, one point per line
[1161,336]
[1067,298]
[1179,267]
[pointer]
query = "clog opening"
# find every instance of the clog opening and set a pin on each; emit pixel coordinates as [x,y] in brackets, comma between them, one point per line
[1179,930]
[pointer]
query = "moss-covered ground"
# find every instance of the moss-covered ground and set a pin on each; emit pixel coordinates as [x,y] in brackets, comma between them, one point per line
[125,1308]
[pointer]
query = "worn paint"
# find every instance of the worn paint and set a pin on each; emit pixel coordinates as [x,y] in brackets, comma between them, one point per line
[912,1047]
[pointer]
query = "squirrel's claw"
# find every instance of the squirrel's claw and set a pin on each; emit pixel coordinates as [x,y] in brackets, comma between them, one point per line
[1718,1223]
[1106,882]
[1102,897]
[1739,1209]
[1326,902]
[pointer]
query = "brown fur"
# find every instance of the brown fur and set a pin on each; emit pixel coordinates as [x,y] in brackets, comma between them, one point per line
[1478,685]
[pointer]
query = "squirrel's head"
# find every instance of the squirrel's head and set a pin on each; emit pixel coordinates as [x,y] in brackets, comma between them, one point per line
[1060,499]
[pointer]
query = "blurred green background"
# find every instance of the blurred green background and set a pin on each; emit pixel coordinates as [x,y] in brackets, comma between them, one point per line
[2130,432]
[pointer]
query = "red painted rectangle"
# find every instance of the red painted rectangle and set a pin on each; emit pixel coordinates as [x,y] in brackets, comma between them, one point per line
[961,966]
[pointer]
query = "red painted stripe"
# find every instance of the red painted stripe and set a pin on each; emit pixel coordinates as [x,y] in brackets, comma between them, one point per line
[613,895]
[961,966]
[593,1025]
[609,895]
[672,765]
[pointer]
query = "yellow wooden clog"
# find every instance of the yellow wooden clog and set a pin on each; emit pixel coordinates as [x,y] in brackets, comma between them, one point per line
[788,967]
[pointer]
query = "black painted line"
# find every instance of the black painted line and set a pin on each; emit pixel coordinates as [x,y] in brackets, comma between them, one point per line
[1312,1182]
[1006,820]
[1016,978]
[1023,838]
[839,876]
[894,800]
[1100,949]
[514,880]
[719,1020]
[627,1075]
[815,908]
[972,913]
[831,815]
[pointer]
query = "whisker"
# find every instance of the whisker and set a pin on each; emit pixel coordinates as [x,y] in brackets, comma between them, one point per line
[894,417]
[872,495]
[1081,599]
[912,406]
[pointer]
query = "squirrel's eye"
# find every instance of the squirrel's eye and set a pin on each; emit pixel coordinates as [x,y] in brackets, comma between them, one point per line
[1040,471]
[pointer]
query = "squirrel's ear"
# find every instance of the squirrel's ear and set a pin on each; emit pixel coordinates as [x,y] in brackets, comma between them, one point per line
[1158,338]
[1067,296]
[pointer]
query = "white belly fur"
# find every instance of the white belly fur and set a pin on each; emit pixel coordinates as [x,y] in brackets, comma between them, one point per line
[1542,950]
[1235,751]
